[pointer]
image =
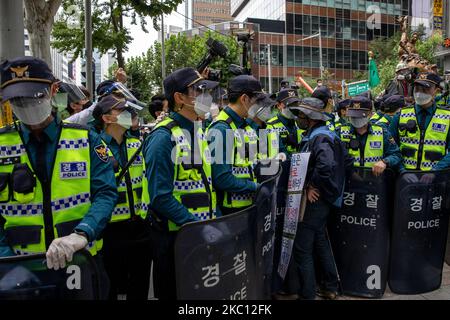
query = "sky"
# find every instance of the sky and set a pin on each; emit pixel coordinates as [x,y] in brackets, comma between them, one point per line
[142,41]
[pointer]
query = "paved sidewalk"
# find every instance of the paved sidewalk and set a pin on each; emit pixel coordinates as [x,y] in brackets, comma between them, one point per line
[443,293]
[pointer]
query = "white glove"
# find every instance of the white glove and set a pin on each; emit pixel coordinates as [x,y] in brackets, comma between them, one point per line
[61,250]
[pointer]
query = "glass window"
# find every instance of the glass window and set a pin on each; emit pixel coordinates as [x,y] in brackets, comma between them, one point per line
[298,56]
[306,61]
[331,28]
[347,31]
[315,24]
[315,57]
[306,25]
[339,32]
[355,62]
[290,56]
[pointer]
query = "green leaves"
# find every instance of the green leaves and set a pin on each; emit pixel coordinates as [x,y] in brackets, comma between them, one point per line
[107,22]
[145,71]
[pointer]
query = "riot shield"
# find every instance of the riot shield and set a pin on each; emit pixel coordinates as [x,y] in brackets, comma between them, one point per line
[27,278]
[229,257]
[419,232]
[447,251]
[359,234]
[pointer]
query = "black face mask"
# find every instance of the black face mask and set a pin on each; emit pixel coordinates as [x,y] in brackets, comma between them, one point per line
[303,123]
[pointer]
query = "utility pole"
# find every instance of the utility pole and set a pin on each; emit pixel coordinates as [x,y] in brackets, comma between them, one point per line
[88,45]
[186,13]
[269,67]
[11,29]
[163,51]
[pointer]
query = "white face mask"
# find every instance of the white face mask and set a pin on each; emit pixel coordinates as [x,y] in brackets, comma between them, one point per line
[400,77]
[59,101]
[203,104]
[264,114]
[253,110]
[31,111]
[287,113]
[359,122]
[125,120]
[422,98]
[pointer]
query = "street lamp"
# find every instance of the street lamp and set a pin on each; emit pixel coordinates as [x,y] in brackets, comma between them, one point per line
[319,34]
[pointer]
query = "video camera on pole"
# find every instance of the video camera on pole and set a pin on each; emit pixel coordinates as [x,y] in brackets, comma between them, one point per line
[216,49]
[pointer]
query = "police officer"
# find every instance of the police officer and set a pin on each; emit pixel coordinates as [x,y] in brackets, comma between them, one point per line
[57,190]
[370,145]
[179,188]
[127,250]
[327,169]
[341,110]
[422,130]
[390,107]
[323,93]
[284,135]
[233,175]
[261,112]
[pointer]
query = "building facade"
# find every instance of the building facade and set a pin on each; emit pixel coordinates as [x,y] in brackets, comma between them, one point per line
[169,30]
[206,12]
[346,28]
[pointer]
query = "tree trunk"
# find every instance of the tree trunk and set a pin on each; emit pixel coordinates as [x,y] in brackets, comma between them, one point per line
[39,15]
[117,23]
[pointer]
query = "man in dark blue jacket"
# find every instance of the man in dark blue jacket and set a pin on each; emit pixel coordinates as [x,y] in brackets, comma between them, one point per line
[328,166]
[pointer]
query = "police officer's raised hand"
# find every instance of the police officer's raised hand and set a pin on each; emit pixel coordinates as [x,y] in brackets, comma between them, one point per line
[312,194]
[378,168]
[61,250]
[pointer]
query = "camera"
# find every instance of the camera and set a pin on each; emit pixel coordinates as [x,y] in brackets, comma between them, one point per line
[216,49]
[215,75]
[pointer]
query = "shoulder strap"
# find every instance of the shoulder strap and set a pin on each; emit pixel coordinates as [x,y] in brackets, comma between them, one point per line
[74,126]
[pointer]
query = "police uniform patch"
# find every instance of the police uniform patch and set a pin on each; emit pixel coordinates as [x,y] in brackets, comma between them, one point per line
[439,127]
[73,170]
[392,140]
[138,161]
[375,144]
[101,152]
[9,160]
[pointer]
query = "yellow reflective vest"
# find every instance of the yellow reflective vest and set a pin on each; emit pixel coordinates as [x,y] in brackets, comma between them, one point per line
[244,155]
[423,149]
[192,185]
[130,187]
[371,153]
[34,217]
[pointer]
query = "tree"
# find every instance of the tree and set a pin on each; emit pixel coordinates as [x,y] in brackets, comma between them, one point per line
[144,71]
[109,31]
[39,15]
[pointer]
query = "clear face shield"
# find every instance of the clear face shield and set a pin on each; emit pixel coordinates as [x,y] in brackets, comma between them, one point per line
[67,92]
[120,89]
[32,111]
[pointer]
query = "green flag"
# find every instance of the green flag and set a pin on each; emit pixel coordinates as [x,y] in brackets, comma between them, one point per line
[374,78]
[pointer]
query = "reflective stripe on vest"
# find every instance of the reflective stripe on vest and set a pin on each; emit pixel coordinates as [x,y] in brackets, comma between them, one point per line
[70,192]
[373,150]
[422,150]
[277,130]
[244,141]
[122,210]
[188,180]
